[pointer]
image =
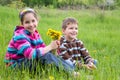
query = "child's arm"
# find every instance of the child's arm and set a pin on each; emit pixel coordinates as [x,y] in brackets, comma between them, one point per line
[87,58]
[53,45]
[85,54]
[24,47]
[90,66]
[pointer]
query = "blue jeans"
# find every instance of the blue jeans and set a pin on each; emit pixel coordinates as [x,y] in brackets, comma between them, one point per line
[73,66]
[48,58]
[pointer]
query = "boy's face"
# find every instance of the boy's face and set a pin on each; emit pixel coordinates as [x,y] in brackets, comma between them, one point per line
[70,32]
[30,22]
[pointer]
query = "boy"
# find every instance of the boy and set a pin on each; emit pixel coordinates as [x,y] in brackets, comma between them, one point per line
[72,49]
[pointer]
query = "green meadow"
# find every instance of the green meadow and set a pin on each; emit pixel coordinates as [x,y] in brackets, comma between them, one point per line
[98,29]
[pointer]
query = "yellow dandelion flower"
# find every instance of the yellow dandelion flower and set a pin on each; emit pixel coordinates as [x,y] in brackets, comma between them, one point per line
[51,78]
[55,35]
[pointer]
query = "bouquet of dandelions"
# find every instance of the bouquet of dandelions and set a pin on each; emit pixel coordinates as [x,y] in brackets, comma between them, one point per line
[55,35]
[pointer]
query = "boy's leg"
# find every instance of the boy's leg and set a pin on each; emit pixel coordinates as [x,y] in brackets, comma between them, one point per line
[49,58]
[95,62]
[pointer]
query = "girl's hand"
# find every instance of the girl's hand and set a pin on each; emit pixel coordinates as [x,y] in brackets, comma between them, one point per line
[54,44]
[58,42]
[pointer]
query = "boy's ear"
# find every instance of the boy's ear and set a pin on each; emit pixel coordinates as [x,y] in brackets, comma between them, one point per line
[63,31]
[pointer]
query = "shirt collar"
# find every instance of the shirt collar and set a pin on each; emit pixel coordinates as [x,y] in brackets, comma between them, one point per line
[64,40]
[27,32]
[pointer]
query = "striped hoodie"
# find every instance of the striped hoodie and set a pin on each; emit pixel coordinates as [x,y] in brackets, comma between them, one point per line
[23,45]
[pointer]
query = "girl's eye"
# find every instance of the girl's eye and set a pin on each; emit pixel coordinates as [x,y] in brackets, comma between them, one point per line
[71,28]
[27,22]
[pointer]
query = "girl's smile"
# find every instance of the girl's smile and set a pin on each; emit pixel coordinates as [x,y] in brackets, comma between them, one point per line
[30,22]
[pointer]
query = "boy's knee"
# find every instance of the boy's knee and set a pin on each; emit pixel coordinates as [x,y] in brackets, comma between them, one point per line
[95,62]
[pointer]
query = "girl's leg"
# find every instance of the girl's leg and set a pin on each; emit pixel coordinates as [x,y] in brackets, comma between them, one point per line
[27,64]
[48,58]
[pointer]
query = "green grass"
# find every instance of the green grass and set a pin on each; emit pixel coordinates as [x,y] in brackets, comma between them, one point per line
[99,31]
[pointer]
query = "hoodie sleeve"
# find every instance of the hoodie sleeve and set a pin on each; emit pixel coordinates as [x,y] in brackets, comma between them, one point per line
[23,45]
[85,54]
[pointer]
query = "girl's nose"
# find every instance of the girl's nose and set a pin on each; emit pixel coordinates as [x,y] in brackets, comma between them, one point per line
[31,24]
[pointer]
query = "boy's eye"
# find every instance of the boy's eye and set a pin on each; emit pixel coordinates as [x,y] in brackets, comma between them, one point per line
[76,28]
[33,20]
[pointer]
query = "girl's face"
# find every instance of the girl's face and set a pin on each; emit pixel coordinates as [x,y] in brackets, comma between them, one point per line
[70,32]
[30,22]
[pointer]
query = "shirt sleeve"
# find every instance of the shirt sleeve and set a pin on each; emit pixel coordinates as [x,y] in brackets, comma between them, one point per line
[24,47]
[84,53]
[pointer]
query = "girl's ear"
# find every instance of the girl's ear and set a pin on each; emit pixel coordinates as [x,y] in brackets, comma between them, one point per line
[20,23]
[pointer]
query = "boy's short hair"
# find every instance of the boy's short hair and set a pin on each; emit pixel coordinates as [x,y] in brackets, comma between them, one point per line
[68,21]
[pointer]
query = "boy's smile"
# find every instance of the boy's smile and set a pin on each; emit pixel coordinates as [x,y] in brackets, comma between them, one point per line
[71,32]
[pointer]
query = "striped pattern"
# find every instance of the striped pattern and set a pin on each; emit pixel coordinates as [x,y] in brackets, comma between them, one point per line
[24,45]
[74,51]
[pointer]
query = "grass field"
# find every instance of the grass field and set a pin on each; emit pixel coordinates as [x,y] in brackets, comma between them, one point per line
[100,32]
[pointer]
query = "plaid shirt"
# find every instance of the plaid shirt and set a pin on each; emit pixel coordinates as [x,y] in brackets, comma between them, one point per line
[73,52]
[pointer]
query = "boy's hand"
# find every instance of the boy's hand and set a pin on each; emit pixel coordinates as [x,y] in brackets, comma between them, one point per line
[90,66]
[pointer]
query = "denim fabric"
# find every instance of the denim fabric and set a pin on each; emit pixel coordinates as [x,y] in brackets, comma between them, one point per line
[48,58]
[73,65]
[95,62]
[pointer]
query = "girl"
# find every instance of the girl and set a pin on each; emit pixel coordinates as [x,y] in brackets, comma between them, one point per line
[27,47]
